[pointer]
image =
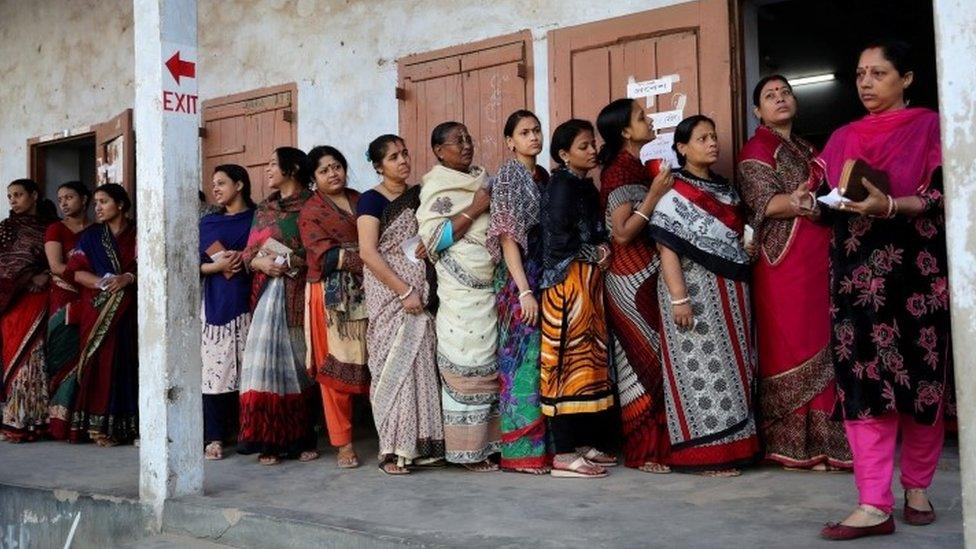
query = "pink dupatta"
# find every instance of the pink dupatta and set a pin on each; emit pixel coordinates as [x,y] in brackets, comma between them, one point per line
[905,144]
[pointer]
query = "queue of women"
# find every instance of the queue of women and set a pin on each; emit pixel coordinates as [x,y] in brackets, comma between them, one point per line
[514,321]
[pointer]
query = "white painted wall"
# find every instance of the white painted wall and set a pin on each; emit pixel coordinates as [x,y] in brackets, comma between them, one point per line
[63,64]
[69,63]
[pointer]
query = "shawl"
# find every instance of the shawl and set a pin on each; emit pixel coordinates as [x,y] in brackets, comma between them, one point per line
[701,219]
[443,193]
[325,228]
[107,253]
[771,165]
[276,218]
[21,254]
[331,244]
[904,144]
[572,224]
[515,198]
[224,298]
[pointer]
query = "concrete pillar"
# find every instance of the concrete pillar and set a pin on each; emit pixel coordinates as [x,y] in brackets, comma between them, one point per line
[168,177]
[955,38]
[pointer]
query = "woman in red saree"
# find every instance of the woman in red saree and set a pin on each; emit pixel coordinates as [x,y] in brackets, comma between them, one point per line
[777,172]
[61,352]
[23,312]
[335,306]
[628,197]
[103,265]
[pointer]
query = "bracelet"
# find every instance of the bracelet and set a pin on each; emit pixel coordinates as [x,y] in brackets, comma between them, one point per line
[642,214]
[406,295]
[465,214]
[891,208]
[133,279]
[683,301]
[524,293]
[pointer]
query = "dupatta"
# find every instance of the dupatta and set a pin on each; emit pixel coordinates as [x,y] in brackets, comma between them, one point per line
[702,219]
[21,254]
[905,144]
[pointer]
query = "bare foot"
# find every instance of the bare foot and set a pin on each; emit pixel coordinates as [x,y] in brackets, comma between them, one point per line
[268,459]
[865,515]
[214,450]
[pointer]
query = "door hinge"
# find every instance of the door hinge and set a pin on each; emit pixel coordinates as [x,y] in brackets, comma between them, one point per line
[288,115]
[521,70]
[202,133]
[401,94]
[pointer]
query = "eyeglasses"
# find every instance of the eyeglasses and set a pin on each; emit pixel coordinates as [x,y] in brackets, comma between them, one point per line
[461,142]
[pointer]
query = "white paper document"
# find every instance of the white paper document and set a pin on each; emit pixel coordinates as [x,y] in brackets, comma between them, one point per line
[833,199]
[409,247]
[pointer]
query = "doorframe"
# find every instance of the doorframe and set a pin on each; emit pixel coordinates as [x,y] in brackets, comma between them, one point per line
[36,169]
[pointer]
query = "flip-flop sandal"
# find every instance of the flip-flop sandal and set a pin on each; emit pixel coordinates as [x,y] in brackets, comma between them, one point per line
[429,463]
[308,455]
[484,466]
[269,460]
[654,468]
[724,473]
[575,470]
[392,468]
[597,457]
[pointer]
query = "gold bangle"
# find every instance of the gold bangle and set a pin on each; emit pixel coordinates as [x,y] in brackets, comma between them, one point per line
[642,214]
[464,214]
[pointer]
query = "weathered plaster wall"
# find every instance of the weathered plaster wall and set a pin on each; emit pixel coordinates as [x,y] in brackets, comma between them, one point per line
[63,64]
[343,54]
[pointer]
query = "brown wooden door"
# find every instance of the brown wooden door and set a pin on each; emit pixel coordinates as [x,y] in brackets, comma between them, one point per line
[477,84]
[245,129]
[115,153]
[591,65]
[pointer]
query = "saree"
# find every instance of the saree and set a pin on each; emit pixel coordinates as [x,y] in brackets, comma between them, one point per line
[61,349]
[574,372]
[225,317]
[277,401]
[404,393]
[23,317]
[891,338]
[467,325]
[515,200]
[791,304]
[708,369]
[106,403]
[335,311]
[634,319]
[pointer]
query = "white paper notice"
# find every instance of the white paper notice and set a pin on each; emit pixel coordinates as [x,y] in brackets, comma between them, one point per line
[409,247]
[833,199]
[649,87]
[660,148]
[666,119]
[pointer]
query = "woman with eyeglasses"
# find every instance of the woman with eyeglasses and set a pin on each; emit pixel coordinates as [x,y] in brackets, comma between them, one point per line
[453,222]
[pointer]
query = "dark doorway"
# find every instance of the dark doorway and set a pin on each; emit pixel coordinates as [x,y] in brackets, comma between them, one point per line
[64,160]
[798,38]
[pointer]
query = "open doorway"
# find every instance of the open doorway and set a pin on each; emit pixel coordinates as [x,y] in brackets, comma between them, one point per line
[70,159]
[797,38]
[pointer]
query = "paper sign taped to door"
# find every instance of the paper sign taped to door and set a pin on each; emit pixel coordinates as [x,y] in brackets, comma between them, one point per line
[667,119]
[660,148]
[651,87]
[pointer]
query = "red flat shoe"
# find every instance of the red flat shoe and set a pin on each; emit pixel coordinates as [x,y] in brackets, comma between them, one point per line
[839,532]
[916,517]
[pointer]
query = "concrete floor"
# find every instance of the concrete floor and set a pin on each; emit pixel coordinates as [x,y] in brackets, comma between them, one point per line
[766,507]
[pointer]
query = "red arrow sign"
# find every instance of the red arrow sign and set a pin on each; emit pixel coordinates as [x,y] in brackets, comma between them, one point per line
[178,67]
